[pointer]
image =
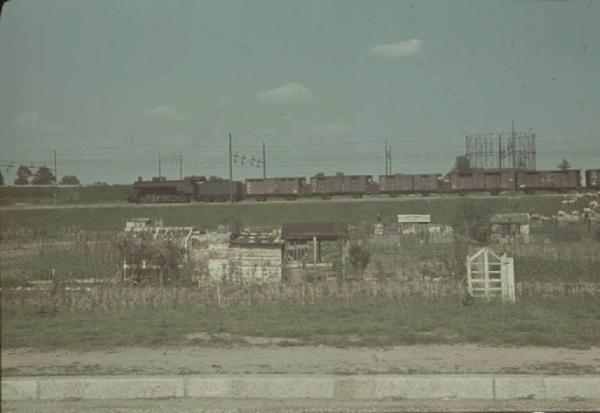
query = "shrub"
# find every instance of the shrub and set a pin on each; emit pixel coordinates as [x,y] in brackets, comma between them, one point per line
[164,254]
[359,257]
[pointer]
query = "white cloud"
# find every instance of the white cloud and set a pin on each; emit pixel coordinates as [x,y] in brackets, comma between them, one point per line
[290,92]
[331,129]
[38,121]
[166,112]
[410,47]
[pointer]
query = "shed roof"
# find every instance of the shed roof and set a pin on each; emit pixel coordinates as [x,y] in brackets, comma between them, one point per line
[414,218]
[248,238]
[515,218]
[309,230]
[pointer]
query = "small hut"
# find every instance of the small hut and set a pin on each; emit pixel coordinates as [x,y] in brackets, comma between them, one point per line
[509,227]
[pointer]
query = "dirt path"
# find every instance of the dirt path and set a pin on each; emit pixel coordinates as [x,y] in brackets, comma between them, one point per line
[272,358]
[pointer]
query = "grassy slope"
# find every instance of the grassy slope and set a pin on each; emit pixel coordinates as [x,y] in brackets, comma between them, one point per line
[67,194]
[273,214]
[556,322]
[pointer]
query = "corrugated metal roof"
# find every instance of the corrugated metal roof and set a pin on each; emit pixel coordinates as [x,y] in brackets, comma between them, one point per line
[211,237]
[308,230]
[257,239]
[514,218]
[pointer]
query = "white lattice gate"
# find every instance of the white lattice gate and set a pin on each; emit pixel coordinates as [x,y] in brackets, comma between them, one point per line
[490,275]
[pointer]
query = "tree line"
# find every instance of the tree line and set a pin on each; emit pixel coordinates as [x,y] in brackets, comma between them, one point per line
[42,176]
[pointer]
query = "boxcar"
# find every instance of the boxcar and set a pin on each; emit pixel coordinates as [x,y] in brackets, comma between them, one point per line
[219,190]
[592,179]
[493,182]
[327,186]
[407,184]
[560,181]
[264,188]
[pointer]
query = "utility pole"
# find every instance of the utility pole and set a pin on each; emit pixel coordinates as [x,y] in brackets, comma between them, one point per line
[500,151]
[159,170]
[180,166]
[514,145]
[55,180]
[264,162]
[230,172]
[390,158]
[55,170]
[386,158]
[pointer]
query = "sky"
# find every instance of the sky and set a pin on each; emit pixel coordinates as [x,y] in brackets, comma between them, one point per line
[112,86]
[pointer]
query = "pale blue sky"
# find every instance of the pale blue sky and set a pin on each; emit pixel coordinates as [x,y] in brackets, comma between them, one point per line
[111,84]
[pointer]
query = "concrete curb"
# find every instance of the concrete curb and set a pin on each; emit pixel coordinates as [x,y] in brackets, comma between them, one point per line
[321,387]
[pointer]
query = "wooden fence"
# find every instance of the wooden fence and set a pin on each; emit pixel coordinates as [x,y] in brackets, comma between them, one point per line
[326,291]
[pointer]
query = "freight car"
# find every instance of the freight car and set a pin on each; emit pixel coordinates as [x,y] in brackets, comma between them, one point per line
[592,179]
[555,181]
[493,182]
[262,189]
[219,190]
[160,190]
[328,186]
[409,184]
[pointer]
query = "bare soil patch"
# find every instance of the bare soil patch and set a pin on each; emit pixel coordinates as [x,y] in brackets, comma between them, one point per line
[272,357]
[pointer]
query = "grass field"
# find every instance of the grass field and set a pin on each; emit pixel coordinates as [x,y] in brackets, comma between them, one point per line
[51,238]
[442,210]
[66,194]
[557,322]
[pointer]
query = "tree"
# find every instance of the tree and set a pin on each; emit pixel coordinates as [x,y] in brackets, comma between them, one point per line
[462,165]
[564,165]
[69,180]
[43,176]
[320,175]
[23,175]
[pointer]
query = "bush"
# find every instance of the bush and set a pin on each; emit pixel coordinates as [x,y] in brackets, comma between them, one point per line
[597,234]
[164,254]
[359,257]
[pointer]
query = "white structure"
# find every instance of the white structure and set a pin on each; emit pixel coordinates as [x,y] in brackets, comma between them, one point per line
[414,218]
[490,275]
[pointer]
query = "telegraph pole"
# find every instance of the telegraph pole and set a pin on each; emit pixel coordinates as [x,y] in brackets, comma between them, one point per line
[180,166]
[230,172]
[159,170]
[500,150]
[390,158]
[55,170]
[264,162]
[514,144]
[55,180]
[386,158]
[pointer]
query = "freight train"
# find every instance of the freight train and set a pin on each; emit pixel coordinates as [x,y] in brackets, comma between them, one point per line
[200,189]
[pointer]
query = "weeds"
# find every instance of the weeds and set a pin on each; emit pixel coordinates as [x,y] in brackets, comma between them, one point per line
[549,322]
